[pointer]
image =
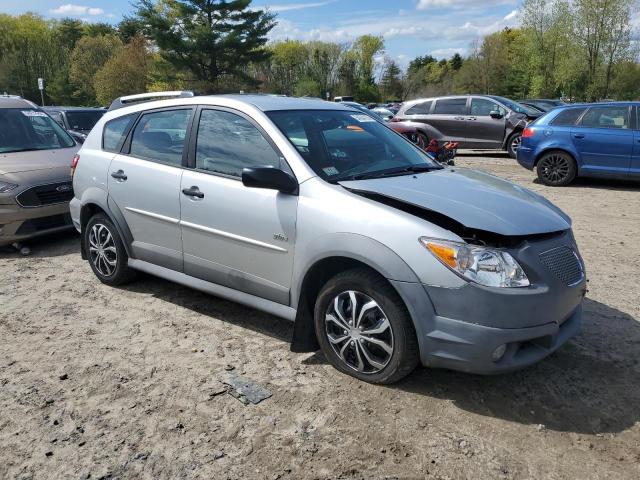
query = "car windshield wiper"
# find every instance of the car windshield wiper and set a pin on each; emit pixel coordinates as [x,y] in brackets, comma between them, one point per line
[397,171]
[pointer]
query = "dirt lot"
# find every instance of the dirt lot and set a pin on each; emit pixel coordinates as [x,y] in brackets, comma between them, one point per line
[97,382]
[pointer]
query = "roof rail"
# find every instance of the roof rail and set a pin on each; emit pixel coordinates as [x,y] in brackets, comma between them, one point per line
[127,100]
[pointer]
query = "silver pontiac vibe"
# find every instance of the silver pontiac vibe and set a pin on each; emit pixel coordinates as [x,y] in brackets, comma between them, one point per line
[313,212]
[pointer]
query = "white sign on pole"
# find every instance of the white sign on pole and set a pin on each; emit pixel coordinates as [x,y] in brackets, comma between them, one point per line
[41,83]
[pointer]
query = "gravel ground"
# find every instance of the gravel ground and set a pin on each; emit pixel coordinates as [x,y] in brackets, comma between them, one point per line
[99,382]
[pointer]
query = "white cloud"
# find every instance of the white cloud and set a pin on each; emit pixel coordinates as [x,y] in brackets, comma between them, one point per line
[297,6]
[76,10]
[426,4]
[447,52]
[512,15]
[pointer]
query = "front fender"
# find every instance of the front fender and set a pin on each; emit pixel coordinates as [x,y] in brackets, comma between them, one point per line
[357,247]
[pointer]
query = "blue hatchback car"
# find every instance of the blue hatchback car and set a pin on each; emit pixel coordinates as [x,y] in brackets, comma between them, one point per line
[601,139]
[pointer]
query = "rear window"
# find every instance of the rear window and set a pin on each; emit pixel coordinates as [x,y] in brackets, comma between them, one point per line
[30,129]
[159,136]
[84,120]
[568,117]
[115,132]
[419,109]
[451,106]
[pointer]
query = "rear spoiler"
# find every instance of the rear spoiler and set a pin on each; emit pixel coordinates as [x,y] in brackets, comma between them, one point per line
[125,101]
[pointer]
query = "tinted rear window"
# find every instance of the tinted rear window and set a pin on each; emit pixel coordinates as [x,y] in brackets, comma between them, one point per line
[451,106]
[115,131]
[419,109]
[84,120]
[568,117]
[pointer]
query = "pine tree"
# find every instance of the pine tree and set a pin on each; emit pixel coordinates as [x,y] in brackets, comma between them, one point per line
[214,39]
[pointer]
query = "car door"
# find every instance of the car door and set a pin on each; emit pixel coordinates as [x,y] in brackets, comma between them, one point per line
[449,117]
[604,139]
[635,156]
[232,235]
[483,130]
[144,184]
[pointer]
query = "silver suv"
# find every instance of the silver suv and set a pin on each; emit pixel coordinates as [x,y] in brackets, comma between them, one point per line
[313,212]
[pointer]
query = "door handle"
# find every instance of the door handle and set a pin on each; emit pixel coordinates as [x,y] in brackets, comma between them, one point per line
[472,118]
[193,192]
[119,175]
[578,135]
[458,118]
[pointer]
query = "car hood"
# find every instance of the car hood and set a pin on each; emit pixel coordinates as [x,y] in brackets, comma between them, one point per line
[475,199]
[19,162]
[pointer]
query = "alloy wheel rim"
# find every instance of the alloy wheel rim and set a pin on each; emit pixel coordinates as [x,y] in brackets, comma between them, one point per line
[359,332]
[102,250]
[515,143]
[554,168]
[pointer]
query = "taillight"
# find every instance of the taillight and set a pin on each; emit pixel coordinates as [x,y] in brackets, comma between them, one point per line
[74,164]
[528,132]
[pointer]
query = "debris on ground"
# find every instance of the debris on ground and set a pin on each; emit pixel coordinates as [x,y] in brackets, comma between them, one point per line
[246,390]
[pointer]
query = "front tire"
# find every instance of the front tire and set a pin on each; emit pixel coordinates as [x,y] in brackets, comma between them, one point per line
[514,143]
[364,328]
[556,169]
[105,251]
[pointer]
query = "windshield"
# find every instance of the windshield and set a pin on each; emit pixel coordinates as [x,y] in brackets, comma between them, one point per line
[341,145]
[516,107]
[83,120]
[30,129]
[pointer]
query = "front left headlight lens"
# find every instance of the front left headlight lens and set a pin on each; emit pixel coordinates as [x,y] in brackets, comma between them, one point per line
[7,187]
[483,265]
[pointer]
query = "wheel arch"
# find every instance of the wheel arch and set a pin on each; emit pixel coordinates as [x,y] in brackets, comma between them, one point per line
[556,149]
[363,252]
[95,206]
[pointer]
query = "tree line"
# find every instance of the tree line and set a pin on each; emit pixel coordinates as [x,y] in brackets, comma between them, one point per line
[578,49]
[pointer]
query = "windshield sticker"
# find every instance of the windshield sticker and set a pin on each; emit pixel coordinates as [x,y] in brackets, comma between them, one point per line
[330,171]
[363,118]
[33,113]
[355,128]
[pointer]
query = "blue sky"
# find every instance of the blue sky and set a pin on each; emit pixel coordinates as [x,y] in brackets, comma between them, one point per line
[409,27]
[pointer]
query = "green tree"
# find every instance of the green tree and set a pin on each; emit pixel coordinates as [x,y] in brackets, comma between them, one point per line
[288,65]
[456,62]
[365,49]
[215,38]
[130,27]
[124,73]
[87,58]
[391,84]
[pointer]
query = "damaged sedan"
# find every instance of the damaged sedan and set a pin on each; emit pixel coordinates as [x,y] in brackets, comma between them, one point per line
[319,214]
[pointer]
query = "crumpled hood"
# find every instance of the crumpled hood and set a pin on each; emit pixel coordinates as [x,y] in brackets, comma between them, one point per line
[18,162]
[475,199]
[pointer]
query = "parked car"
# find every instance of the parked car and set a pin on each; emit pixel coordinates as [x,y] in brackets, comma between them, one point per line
[35,179]
[385,113]
[321,215]
[542,104]
[411,132]
[474,121]
[583,140]
[78,121]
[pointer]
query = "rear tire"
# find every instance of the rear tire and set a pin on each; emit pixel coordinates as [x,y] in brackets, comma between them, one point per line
[513,143]
[105,251]
[420,139]
[556,169]
[380,344]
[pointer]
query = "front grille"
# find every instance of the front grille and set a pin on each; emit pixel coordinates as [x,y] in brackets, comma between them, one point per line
[35,225]
[564,264]
[50,194]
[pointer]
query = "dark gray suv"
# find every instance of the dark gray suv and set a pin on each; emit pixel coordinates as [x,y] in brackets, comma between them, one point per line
[475,121]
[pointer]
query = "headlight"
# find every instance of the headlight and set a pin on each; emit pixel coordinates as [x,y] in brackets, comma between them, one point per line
[486,266]
[7,187]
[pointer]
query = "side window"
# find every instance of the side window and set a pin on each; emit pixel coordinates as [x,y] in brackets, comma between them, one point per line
[115,131]
[419,109]
[606,117]
[451,106]
[159,136]
[482,107]
[227,143]
[568,117]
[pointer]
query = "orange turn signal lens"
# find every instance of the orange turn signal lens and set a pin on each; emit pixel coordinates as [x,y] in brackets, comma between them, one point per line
[446,255]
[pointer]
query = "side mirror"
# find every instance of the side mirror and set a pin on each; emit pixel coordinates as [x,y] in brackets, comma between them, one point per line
[271,178]
[495,114]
